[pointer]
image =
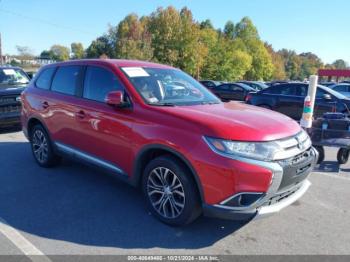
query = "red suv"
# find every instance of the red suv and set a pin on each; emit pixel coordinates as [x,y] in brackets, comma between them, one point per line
[159,129]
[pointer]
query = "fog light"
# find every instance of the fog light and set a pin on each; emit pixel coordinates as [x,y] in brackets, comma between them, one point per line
[243,199]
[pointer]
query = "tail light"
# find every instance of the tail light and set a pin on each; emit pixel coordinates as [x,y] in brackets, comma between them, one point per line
[248,97]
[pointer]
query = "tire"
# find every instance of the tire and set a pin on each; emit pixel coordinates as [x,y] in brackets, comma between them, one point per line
[42,149]
[321,155]
[170,192]
[343,156]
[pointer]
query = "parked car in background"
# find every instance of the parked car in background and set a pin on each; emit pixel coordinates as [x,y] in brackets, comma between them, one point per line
[257,85]
[12,83]
[31,74]
[210,83]
[232,91]
[289,98]
[328,84]
[157,128]
[343,88]
[277,82]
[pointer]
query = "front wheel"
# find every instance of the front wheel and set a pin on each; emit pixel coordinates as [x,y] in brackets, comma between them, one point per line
[170,191]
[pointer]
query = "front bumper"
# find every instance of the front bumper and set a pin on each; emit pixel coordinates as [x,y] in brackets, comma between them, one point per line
[265,211]
[8,119]
[278,196]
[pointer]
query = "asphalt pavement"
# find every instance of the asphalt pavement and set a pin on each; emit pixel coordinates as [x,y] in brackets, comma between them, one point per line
[74,209]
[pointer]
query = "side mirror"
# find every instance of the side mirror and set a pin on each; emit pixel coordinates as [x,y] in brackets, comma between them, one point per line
[327,97]
[116,98]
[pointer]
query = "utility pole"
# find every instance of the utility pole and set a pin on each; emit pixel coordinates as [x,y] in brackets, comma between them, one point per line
[1,61]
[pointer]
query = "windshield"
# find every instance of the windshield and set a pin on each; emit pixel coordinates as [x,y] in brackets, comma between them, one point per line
[333,92]
[12,76]
[246,86]
[168,87]
[262,85]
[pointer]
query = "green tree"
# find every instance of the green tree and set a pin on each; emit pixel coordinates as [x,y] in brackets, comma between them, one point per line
[262,67]
[101,46]
[227,61]
[133,40]
[279,72]
[47,54]
[77,50]
[60,53]
[229,30]
[246,30]
[340,64]
[292,64]
[176,39]
[165,27]
[206,24]
[310,63]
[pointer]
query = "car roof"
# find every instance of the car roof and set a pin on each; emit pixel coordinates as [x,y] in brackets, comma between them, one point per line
[324,88]
[238,84]
[115,62]
[341,84]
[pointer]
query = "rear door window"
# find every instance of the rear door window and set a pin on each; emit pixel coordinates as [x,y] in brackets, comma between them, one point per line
[223,87]
[66,79]
[44,80]
[288,90]
[274,90]
[236,88]
[99,82]
[301,90]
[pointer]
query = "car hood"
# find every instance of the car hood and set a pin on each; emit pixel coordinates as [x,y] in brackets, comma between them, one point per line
[237,121]
[11,89]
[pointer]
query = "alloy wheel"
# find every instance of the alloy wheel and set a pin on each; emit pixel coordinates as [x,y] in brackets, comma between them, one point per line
[166,192]
[40,146]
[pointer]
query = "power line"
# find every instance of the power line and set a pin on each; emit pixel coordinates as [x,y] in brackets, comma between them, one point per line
[39,20]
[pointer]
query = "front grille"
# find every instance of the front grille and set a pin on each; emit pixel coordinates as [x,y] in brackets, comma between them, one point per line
[8,100]
[9,109]
[293,146]
[296,169]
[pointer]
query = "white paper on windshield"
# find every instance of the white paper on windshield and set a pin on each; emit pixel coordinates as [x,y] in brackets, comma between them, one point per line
[135,71]
[9,72]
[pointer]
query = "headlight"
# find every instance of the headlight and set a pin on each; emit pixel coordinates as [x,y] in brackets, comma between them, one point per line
[268,151]
[255,150]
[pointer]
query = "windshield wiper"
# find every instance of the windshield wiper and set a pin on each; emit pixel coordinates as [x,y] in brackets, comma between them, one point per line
[162,104]
[13,83]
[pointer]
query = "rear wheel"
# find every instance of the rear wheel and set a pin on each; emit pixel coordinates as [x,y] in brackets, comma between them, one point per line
[343,156]
[170,191]
[42,147]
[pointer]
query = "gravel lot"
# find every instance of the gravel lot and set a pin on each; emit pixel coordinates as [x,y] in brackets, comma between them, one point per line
[74,209]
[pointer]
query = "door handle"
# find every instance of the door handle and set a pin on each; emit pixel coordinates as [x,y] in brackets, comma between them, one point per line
[80,114]
[45,104]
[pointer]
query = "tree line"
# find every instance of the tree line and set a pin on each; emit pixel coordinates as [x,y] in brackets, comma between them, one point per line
[173,37]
